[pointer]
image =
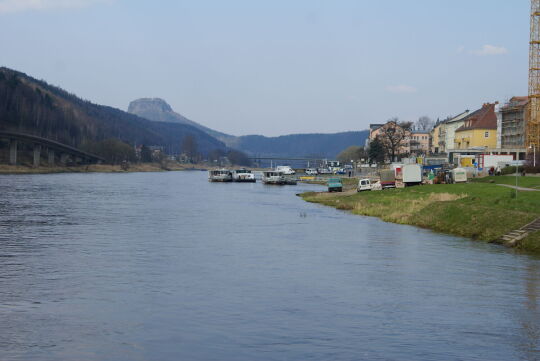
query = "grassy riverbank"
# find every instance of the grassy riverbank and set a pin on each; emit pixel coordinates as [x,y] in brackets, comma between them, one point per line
[480,211]
[526,182]
[101,168]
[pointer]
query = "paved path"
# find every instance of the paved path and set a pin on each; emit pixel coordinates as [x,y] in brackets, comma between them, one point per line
[519,188]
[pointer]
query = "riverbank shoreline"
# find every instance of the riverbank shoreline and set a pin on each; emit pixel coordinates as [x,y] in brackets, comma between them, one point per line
[479,211]
[98,168]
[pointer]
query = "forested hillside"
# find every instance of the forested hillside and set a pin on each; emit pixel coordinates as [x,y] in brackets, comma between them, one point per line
[33,106]
[295,145]
[308,145]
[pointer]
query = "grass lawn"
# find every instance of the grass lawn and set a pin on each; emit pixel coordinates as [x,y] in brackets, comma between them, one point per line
[480,211]
[527,182]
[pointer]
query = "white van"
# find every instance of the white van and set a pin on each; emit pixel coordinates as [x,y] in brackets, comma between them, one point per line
[285,169]
[364,185]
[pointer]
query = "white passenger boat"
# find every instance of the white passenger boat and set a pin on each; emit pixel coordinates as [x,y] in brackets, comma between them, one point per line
[243,175]
[273,177]
[277,177]
[220,175]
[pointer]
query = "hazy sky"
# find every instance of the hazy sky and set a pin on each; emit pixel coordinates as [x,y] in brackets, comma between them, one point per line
[280,66]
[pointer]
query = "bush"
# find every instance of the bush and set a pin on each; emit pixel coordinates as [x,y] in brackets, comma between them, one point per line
[511,170]
[531,169]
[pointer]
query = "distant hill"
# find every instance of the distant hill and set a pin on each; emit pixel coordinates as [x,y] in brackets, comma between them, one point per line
[295,145]
[33,106]
[309,145]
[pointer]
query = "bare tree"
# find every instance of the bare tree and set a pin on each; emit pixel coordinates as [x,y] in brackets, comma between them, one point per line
[189,147]
[393,135]
[424,123]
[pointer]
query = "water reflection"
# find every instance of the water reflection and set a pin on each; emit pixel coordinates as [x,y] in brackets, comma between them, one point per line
[530,316]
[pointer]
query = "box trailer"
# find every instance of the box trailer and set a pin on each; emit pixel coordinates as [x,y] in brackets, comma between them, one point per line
[459,175]
[412,174]
[388,178]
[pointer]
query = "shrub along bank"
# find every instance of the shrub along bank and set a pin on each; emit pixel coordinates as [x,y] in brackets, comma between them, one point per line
[480,211]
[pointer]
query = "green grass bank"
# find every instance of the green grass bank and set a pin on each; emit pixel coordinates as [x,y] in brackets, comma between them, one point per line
[526,182]
[481,210]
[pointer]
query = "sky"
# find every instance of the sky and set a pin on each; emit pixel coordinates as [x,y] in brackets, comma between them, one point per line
[276,67]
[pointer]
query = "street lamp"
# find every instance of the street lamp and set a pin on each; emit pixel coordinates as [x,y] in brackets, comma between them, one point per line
[533,146]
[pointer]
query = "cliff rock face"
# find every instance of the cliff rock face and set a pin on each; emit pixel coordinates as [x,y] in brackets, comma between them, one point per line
[159,110]
[156,109]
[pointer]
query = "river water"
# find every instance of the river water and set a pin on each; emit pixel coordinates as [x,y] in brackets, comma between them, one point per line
[167,266]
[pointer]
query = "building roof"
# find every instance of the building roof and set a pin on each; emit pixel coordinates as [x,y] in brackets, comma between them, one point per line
[516,102]
[458,117]
[483,118]
[375,126]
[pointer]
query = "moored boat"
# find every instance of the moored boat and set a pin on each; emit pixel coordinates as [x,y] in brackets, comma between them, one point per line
[273,177]
[220,175]
[243,175]
[277,177]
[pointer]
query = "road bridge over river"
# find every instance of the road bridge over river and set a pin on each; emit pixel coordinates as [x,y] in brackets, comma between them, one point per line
[297,162]
[53,148]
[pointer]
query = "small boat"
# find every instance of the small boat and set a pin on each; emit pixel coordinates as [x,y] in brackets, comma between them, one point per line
[243,175]
[220,175]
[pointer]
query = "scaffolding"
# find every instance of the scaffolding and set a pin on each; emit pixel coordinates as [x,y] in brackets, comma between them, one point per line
[533,123]
[513,120]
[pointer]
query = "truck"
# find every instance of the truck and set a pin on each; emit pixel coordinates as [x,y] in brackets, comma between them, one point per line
[285,169]
[412,174]
[388,178]
[335,185]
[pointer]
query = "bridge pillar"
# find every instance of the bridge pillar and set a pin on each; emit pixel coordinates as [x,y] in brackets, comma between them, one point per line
[63,158]
[13,151]
[51,157]
[37,155]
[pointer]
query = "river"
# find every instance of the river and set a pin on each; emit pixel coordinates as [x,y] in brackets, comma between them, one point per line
[167,266]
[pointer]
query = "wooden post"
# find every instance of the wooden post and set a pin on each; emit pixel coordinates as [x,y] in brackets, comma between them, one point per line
[37,155]
[13,151]
[51,157]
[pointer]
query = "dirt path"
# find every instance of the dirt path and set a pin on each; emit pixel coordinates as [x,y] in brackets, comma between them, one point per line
[520,188]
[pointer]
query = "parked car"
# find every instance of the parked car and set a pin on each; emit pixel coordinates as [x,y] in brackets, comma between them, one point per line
[285,169]
[364,185]
[324,171]
[335,185]
[311,171]
[339,171]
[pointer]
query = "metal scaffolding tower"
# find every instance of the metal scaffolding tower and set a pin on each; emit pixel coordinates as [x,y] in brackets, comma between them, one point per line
[533,123]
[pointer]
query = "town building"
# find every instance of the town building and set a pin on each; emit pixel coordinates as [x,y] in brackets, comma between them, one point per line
[479,129]
[419,142]
[511,122]
[448,131]
[437,143]
[376,130]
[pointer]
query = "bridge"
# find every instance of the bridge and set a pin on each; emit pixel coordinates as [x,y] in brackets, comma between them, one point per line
[52,147]
[298,162]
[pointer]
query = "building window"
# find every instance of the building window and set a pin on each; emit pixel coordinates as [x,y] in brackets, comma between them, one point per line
[486,135]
